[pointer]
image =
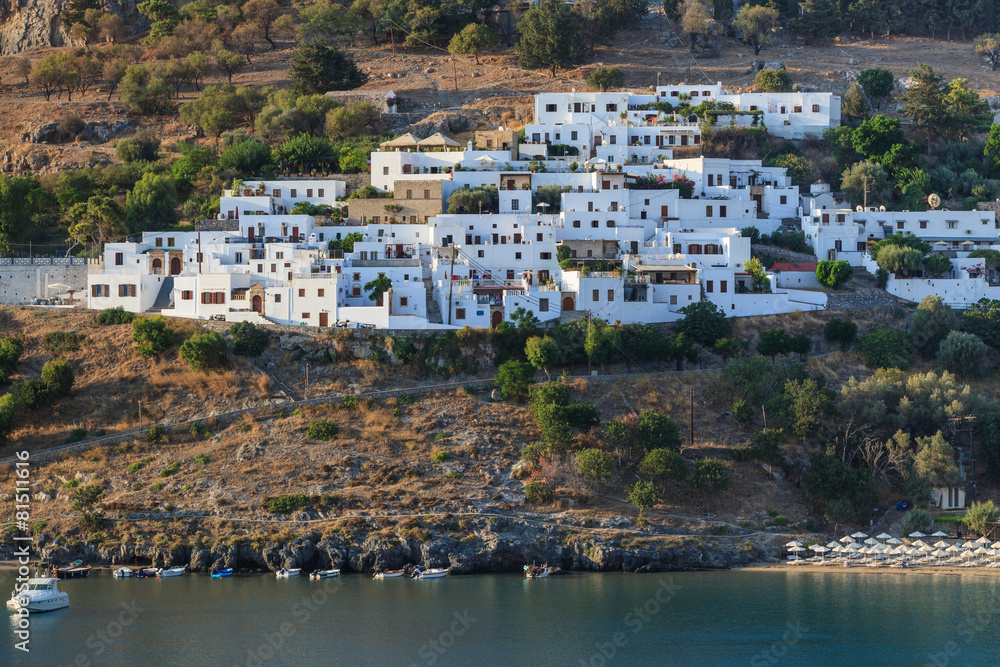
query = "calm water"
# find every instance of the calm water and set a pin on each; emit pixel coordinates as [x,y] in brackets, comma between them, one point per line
[720,618]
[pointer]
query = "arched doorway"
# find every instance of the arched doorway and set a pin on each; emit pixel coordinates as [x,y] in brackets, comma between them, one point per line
[257,304]
[496,317]
[568,303]
[175,265]
[157,266]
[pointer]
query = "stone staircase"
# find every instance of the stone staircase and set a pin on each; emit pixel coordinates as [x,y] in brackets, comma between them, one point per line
[165,297]
[433,309]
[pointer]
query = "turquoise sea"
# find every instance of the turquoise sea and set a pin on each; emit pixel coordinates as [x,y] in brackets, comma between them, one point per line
[756,618]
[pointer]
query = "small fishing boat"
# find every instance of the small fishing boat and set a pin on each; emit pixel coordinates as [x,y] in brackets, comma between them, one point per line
[221,574]
[285,573]
[432,573]
[147,573]
[389,574]
[39,594]
[324,574]
[533,572]
[75,570]
[170,572]
[123,573]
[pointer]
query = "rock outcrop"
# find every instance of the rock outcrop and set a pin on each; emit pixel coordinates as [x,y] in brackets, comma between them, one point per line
[30,25]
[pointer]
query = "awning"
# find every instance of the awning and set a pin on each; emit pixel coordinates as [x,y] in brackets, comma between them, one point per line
[678,267]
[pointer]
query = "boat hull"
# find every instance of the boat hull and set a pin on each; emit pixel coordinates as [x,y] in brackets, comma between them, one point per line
[431,574]
[286,574]
[324,574]
[389,575]
[222,574]
[37,606]
[173,572]
[71,572]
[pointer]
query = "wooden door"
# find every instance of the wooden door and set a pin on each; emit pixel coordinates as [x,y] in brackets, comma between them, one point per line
[568,303]
[175,266]
[257,304]
[496,317]
[157,266]
[324,319]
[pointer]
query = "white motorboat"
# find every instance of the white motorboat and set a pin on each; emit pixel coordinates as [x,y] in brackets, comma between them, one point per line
[532,572]
[324,574]
[389,574]
[170,572]
[285,573]
[432,573]
[39,594]
[123,573]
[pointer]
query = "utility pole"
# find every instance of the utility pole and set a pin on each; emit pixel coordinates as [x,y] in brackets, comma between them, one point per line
[138,402]
[454,66]
[590,370]
[691,395]
[866,193]
[451,281]
[307,383]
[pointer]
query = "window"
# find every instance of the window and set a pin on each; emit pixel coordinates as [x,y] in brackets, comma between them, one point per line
[515,205]
[279,255]
[427,194]
[784,110]
[539,237]
[187,295]
[613,140]
[594,223]
[611,107]
[305,316]
[170,242]
[276,193]
[673,299]
[596,295]
[543,305]
[545,256]
[899,224]
[385,172]
[923,224]
[723,286]
[783,199]
[294,193]
[753,107]
[815,108]
[642,215]
[302,292]
[722,211]
[709,286]
[404,301]
[460,313]
[409,194]
[510,274]
[841,217]
[697,138]
[862,246]
[708,211]
[119,259]
[277,298]
[838,245]
[550,108]
[576,223]
[674,93]
[482,254]
[611,295]
[100,290]
[711,180]
[694,93]
[126,290]
[309,192]
[274,268]
[517,255]
[213,297]
[796,109]
[573,135]
[952,224]
[319,193]
[320,292]
[159,242]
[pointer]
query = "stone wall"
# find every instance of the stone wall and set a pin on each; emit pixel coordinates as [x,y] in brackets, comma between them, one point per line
[23,279]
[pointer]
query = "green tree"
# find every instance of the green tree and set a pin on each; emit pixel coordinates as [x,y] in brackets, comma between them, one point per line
[24,207]
[301,149]
[357,119]
[839,512]
[875,138]
[98,220]
[248,157]
[772,342]
[810,403]
[829,479]
[644,495]
[980,515]
[594,465]
[917,520]
[855,105]
[840,331]
[482,198]
[10,358]
[151,335]
[983,319]
[885,348]
[541,352]
[930,324]
[86,496]
[264,15]
[48,75]
[229,62]
[513,378]
[987,46]
[473,39]
[10,410]
[963,353]
[603,343]
[935,461]
[144,146]
[249,340]
[551,36]
[151,203]
[704,323]
[57,374]
[377,287]
[709,476]
[756,24]
[868,16]
[694,19]
[937,265]
[204,350]
[818,18]
[863,176]
[116,315]
[924,103]
[833,273]
[655,430]
[773,81]
[317,68]
[606,78]
[878,85]
[662,462]
[143,93]
[900,260]
[967,113]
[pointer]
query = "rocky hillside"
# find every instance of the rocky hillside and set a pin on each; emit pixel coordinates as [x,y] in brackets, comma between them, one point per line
[35,24]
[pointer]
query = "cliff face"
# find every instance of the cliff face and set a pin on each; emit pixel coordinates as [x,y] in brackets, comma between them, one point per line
[30,24]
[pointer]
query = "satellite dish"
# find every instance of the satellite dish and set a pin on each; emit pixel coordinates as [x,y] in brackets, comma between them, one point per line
[933,200]
[882,208]
[859,208]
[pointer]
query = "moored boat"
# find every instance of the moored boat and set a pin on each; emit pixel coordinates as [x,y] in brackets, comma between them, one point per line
[533,572]
[39,594]
[389,574]
[324,574]
[123,573]
[221,574]
[73,571]
[147,572]
[170,572]
[285,573]
[432,573]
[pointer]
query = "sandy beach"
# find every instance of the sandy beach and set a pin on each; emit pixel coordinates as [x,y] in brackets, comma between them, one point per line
[862,570]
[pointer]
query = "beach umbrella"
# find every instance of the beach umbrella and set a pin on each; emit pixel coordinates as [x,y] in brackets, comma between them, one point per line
[793,543]
[982,551]
[967,554]
[832,545]
[939,534]
[846,539]
[893,540]
[917,534]
[858,535]
[995,545]
[796,549]
[983,540]
[954,549]
[871,540]
[941,544]
[854,545]
[939,554]
[925,549]
[918,543]
[969,544]
[883,536]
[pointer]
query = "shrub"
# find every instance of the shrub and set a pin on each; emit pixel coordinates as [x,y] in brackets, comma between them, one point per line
[644,495]
[9,413]
[885,348]
[116,315]
[155,434]
[57,343]
[840,331]
[201,459]
[513,378]
[157,487]
[833,273]
[742,411]
[604,78]
[930,324]
[10,358]
[248,339]
[981,514]
[917,520]
[657,430]
[32,394]
[594,465]
[170,469]
[537,493]
[290,503]
[709,476]
[662,462]
[963,353]
[76,435]
[773,81]
[58,377]
[321,429]
[704,323]
[84,497]
[441,457]
[204,350]
[151,335]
